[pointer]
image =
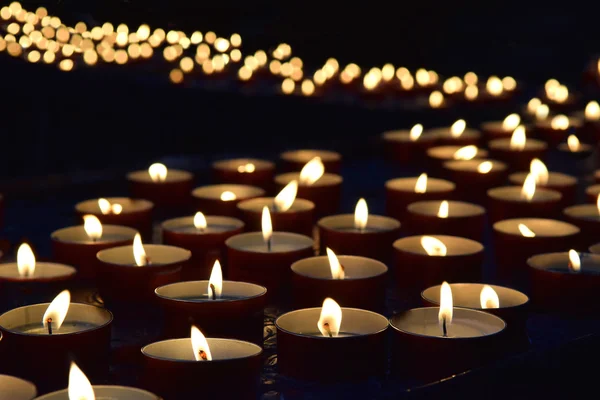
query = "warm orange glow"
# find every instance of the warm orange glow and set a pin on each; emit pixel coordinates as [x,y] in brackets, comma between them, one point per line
[221,45]
[525,231]
[592,111]
[158,172]
[371,80]
[485,167]
[312,172]
[228,196]
[200,221]
[574,261]
[416,132]
[196,37]
[542,112]
[518,139]
[573,143]
[407,82]
[560,94]
[433,246]
[471,78]
[139,253]
[436,99]
[215,283]
[560,122]
[457,128]
[539,170]
[285,199]
[66,65]
[465,153]
[444,209]
[34,56]
[421,185]
[236,40]
[92,226]
[80,387]
[494,86]
[337,271]
[533,105]
[57,310]
[489,298]
[330,320]
[446,306]
[176,76]
[25,261]
[186,64]
[509,84]
[511,122]
[288,85]
[422,77]
[387,72]
[319,77]
[471,92]
[245,73]
[267,226]
[528,189]
[308,87]
[104,206]
[200,345]
[361,215]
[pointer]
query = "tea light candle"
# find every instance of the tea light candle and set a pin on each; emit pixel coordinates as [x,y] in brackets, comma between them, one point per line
[591,193]
[131,273]
[295,160]
[171,368]
[288,213]
[436,156]
[408,146]
[162,186]
[518,151]
[587,218]
[123,211]
[574,148]
[563,183]
[359,234]
[473,178]
[556,129]
[223,199]
[423,261]
[565,281]
[341,277]
[14,388]
[244,171]
[515,240]
[457,134]
[357,343]
[265,257]
[78,246]
[445,218]
[591,121]
[501,129]
[204,236]
[400,192]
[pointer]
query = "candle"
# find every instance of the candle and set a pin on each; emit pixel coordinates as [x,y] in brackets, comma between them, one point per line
[78,245]
[314,184]
[515,240]
[501,129]
[123,211]
[437,156]
[463,337]
[130,273]
[558,96]
[518,151]
[288,213]
[591,193]
[79,331]
[575,149]
[445,218]
[473,178]
[563,183]
[341,277]
[587,218]
[206,367]
[244,171]
[204,236]
[507,202]
[223,199]
[359,234]
[591,121]
[295,160]
[457,134]
[555,130]
[408,146]
[353,339]
[265,257]
[400,192]
[164,187]
[16,388]
[423,261]
[236,312]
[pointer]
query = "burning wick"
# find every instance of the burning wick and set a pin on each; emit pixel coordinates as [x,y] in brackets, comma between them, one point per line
[203,355]
[444,329]
[49,322]
[327,329]
[213,291]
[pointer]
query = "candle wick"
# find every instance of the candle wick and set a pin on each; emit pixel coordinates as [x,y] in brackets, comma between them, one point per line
[49,323]
[444,328]
[326,327]
[213,292]
[202,354]
[147,260]
[269,245]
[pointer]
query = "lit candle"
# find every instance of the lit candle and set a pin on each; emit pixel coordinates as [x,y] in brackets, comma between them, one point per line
[518,151]
[474,178]
[501,129]
[162,186]
[17,388]
[223,199]
[587,218]
[407,146]
[437,156]
[457,134]
[591,121]
[563,183]
[573,148]
[556,129]
[244,171]
[295,160]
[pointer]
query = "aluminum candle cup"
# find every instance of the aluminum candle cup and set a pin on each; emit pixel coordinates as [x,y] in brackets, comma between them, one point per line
[298,219]
[339,234]
[359,350]
[445,138]
[73,246]
[173,191]
[206,245]
[170,369]
[16,389]
[563,183]
[238,314]
[223,199]
[400,192]
[437,156]
[121,280]
[506,202]
[312,282]
[249,260]
[136,213]
[295,160]
[553,136]
[462,219]
[473,182]
[325,193]
[417,270]
[106,392]
[399,147]
[83,337]
[474,338]
[244,171]
[587,218]
[518,160]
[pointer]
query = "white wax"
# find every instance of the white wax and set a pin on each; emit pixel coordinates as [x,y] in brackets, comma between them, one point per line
[403,136]
[540,226]
[408,185]
[129,205]
[67,327]
[110,234]
[326,180]
[588,212]
[214,192]
[513,194]
[281,242]
[173,175]
[455,246]
[214,224]
[472,165]
[235,163]
[197,291]
[42,271]
[447,152]
[559,262]
[13,388]
[345,223]
[305,155]
[181,350]
[504,144]
[106,393]
[355,267]
[555,179]
[257,204]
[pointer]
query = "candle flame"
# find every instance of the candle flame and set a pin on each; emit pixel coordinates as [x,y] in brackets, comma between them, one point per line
[330,319]
[597,204]
[92,226]
[267,226]
[361,215]
[518,139]
[560,122]
[489,298]
[228,196]
[25,261]
[538,169]
[116,208]
[80,387]
[485,167]
[200,345]
[457,128]
[443,210]
[285,199]
[574,261]
[465,153]
[139,254]
[215,281]
[446,307]
[57,310]
[494,86]
[158,172]
[433,246]
[436,98]
[542,112]
[247,168]
[471,92]
[528,190]
[312,171]
[416,132]
[525,231]
[573,143]
[200,221]
[421,185]
[337,271]
[592,111]
[104,206]
[533,105]
[511,122]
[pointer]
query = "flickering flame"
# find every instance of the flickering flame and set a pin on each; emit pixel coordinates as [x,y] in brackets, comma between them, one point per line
[200,345]
[361,215]
[538,169]
[528,190]
[560,122]
[57,310]
[92,226]
[533,105]
[485,167]
[228,196]
[573,143]
[542,112]
[446,308]
[158,172]
[337,271]
[246,168]
[330,319]
[443,210]
[574,261]
[436,99]
[525,231]
[200,221]
[104,206]
[116,208]
[518,140]
[267,226]
[471,92]
[560,94]
[511,122]
[415,132]
[433,246]
[457,128]
[285,198]
[216,281]
[465,153]
[25,261]
[312,171]
[489,298]
[421,185]
[592,111]
[139,254]
[494,86]
[80,387]
[597,205]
